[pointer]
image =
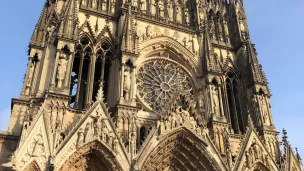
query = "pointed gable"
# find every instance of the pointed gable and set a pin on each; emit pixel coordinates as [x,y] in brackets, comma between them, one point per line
[253,153]
[35,146]
[96,125]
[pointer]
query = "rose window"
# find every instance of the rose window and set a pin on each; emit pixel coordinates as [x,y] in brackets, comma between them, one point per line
[159,80]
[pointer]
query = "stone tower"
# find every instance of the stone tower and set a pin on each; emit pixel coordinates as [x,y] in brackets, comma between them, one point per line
[144,85]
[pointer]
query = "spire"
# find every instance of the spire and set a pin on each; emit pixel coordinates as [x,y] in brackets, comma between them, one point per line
[257,76]
[129,35]
[38,35]
[69,21]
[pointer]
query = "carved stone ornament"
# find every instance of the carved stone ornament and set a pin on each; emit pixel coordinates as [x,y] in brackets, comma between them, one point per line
[158,79]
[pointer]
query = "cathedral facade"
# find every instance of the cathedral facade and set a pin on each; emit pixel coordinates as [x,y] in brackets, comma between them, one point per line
[144,85]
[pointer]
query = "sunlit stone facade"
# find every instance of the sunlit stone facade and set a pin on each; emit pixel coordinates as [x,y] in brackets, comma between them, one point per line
[144,85]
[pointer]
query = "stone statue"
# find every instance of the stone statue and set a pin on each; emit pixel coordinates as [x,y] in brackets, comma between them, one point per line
[211,28]
[187,16]
[200,101]
[115,146]
[113,6]
[226,31]
[178,12]
[143,5]
[264,108]
[135,4]
[88,131]
[242,27]
[104,5]
[153,7]
[30,78]
[170,10]
[161,8]
[220,29]
[215,100]
[127,83]
[62,69]
[94,4]
[80,139]
[195,45]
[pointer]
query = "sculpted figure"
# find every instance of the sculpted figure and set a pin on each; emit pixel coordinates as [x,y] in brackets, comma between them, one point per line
[170,10]
[161,8]
[264,110]
[242,27]
[135,4]
[113,6]
[195,45]
[215,100]
[62,69]
[178,12]
[127,83]
[105,132]
[104,5]
[153,7]
[220,29]
[187,16]
[211,28]
[116,142]
[80,139]
[88,131]
[143,5]
[94,4]
[30,78]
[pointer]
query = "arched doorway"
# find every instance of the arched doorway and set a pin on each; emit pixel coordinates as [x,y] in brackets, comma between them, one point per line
[180,150]
[94,156]
[33,166]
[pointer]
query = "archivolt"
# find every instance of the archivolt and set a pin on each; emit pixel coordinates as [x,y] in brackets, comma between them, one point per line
[94,156]
[33,166]
[180,150]
[176,50]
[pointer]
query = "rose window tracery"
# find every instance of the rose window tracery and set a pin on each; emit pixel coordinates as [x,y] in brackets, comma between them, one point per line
[159,80]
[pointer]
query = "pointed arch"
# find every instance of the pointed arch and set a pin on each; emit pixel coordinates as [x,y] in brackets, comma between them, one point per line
[80,73]
[181,150]
[234,105]
[93,155]
[169,46]
[259,166]
[33,166]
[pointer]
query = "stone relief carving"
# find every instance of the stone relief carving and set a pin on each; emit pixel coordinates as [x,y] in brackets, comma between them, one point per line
[36,150]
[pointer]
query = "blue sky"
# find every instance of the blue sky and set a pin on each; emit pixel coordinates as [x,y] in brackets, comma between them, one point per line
[275,27]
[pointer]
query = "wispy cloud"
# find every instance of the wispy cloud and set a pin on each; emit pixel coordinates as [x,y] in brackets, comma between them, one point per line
[4,118]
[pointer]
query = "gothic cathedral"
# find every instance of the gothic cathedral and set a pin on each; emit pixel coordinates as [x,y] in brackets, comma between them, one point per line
[144,85]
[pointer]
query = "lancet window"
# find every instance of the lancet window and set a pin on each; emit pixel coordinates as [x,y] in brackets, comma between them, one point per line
[234,103]
[217,29]
[88,72]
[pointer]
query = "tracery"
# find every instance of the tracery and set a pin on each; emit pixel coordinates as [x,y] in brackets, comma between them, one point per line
[158,79]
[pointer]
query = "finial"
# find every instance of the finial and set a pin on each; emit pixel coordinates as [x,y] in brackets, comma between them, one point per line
[100,94]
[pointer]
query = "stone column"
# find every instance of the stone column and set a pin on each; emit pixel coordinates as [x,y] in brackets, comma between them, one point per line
[122,81]
[69,71]
[55,69]
[221,100]
[134,87]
